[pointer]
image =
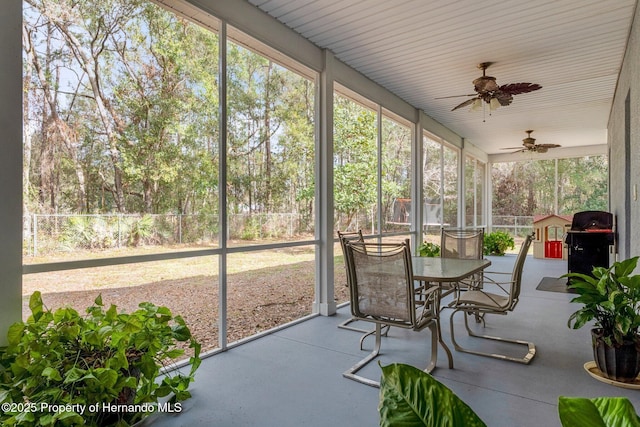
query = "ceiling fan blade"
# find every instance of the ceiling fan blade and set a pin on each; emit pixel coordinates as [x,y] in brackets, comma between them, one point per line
[455,96]
[512,148]
[548,145]
[465,103]
[487,90]
[518,88]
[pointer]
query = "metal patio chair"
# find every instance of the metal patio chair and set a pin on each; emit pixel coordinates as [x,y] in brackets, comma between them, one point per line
[462,244]
[495,297]
[382,291]
[344,237]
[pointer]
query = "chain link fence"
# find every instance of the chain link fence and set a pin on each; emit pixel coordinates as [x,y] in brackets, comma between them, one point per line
[50,234]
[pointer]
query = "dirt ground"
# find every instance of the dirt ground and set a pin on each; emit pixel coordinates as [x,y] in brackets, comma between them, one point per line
[258,299]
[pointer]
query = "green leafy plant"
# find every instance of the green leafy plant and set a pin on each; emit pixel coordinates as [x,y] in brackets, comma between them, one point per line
[411,397]
[88,232]
[251,228]
[497,243]
[61,358]
[140,229]
[611,297]
[597,412]
[429,249]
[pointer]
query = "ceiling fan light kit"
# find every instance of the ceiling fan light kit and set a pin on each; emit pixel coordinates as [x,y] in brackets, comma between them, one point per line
[476,105]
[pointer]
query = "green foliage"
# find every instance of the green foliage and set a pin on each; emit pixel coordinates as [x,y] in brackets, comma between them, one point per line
[100,232]
[104,357]
[611,297]
[582,184]
[140,230]
[89,233]
[251,228]
[429,249]
[355,158]
[597,412]
[497,243]
[150,131]
[411,397]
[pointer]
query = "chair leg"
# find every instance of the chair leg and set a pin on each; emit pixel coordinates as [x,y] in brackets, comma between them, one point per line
[526,359]
[351,373]
[345,325]
[362,338]
[435,338]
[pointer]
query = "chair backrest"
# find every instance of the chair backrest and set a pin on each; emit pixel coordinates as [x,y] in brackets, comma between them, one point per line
[518,267]
[461,243]
[380,278]
[348,236]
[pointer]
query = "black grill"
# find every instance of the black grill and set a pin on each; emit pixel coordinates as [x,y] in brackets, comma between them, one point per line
[589,240]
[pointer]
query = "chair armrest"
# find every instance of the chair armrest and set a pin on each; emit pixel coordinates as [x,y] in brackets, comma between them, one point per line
[426,293]
[503,285]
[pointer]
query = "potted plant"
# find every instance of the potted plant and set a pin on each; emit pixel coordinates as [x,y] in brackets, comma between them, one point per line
[611,298]
[100,369]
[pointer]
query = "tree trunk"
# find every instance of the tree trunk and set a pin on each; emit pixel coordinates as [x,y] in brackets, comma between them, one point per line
[56,130]
[266,134]
[27,141]
[88,59]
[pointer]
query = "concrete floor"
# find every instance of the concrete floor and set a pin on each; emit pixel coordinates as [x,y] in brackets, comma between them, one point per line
[293,377]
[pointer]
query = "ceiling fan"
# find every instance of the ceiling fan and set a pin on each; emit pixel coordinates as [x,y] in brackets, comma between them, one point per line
[487,90]
[530,145]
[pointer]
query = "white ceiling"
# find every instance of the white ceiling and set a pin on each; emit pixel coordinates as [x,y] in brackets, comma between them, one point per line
[425,49]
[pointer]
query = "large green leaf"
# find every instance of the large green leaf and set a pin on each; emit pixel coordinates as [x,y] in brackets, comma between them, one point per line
[597,412]
[51,373]
[16,331]
[410,397]
[36,305]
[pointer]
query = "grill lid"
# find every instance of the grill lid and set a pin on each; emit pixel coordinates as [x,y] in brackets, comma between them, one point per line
[592,220]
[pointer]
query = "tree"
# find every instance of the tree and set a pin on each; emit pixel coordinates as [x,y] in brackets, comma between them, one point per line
[529,188]
[129,101]
[355,158]
[396,165]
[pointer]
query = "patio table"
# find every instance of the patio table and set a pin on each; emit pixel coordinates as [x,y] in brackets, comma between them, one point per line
[445,270]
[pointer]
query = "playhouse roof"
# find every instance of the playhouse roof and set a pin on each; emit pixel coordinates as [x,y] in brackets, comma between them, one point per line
[538,218]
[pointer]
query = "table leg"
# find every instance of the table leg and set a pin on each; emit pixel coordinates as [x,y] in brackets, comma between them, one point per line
[440,340]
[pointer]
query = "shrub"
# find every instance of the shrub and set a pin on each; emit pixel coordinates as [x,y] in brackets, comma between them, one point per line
[429,249]
[139,230]
[89,233]
[497,243]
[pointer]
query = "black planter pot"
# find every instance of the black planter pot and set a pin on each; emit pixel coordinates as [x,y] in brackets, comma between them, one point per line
[620,363]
